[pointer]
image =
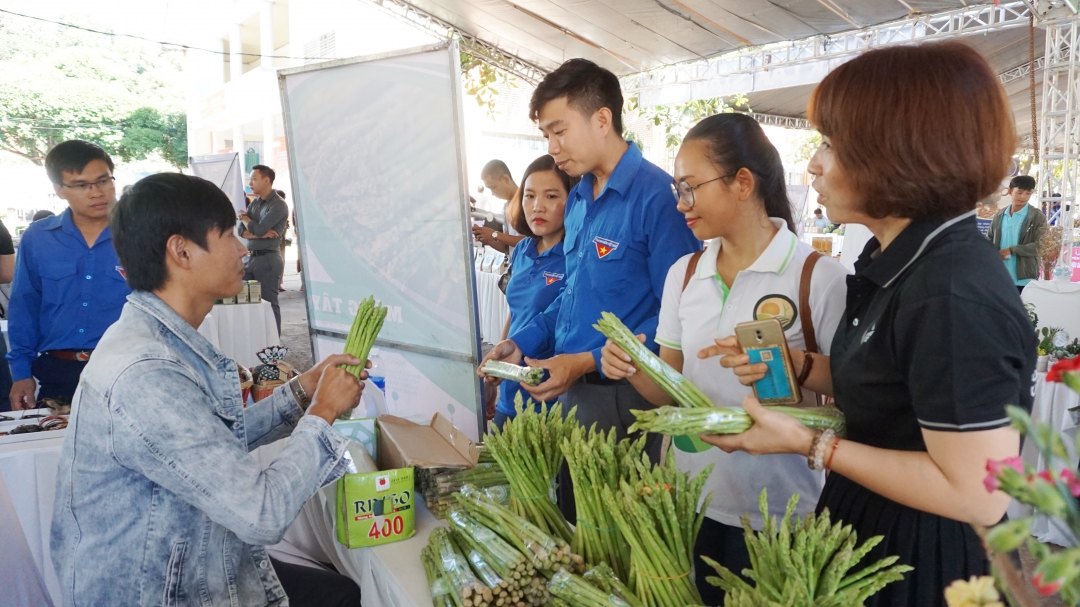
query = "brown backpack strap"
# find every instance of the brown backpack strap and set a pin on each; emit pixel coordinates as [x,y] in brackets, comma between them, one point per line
[691,268]
[804,301]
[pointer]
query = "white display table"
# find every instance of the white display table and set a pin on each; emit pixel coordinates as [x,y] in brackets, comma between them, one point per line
[243,330]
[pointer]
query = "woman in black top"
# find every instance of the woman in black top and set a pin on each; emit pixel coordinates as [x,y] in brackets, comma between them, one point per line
[934,342]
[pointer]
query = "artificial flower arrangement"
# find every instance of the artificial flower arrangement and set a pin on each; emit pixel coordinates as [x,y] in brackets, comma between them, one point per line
[1053,493]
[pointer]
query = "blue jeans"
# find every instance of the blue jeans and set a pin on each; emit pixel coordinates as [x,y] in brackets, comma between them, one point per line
[56,378]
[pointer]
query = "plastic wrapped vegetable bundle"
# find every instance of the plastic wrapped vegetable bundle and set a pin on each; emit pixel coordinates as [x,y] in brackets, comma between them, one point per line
[677,421]
[659,517]
[528,449]
[578,592]
[597,460]
[805,562]
[525,375]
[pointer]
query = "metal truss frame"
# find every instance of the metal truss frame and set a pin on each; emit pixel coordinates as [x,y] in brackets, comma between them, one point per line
[918,27]
[1059,133]
[469,44]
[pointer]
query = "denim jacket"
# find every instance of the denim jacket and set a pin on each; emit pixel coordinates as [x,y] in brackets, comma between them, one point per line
[158,500]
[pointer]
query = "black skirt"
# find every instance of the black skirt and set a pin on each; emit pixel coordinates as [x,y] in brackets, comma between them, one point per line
[940,549]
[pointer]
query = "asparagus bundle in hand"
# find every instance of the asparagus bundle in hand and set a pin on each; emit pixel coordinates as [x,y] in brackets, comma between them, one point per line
[365,328]
[525,375]
[685,393]
[678,421]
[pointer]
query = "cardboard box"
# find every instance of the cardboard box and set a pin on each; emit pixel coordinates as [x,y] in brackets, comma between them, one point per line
[375,508]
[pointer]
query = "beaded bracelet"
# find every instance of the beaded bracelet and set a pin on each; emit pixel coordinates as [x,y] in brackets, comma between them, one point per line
[815,460]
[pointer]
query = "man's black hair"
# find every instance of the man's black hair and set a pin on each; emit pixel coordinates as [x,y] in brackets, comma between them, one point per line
[266,172]
[73,156]
[587,88]
[817,212]
[42,214]
[496,168]
[153,210]
[1024,182]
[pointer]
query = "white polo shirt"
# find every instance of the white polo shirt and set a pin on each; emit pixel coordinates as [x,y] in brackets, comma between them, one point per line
[690,320]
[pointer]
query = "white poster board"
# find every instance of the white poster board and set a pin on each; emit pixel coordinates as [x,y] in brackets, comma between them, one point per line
[797,195]
[377,158]
[223,170]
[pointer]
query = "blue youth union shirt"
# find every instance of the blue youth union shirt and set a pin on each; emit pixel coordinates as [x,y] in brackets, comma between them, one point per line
[619,247]
[65,294]
[535,282]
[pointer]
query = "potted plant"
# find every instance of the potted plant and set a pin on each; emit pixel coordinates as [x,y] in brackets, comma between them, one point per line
[1050,339]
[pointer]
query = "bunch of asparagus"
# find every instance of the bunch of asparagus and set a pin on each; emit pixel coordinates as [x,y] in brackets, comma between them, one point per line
[696,413]
[805,562]
[677,421]
[463,587]
[658,515]
[513,580]
[528,449]
[576,591]
[685,393]
[437,484]
[545,553]
[524,375]
[597,460]
[365,328]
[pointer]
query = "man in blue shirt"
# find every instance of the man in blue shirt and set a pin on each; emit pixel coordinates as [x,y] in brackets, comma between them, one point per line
[69,286]
[623,233]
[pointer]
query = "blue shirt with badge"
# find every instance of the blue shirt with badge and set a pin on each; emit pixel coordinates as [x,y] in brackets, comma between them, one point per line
[65,294]
[535,281]
[619,247]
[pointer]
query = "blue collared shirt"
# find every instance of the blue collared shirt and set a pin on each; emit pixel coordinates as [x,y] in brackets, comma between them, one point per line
[619,247]
[536,280]
[65,294]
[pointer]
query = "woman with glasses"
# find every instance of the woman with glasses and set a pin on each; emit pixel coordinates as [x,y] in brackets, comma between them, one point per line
[934,343]
[731,189]
[539,268]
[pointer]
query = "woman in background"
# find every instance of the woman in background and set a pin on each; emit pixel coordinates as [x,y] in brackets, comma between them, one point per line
[539,268]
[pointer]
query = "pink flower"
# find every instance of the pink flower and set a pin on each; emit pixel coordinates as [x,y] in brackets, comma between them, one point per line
[992,483]
[996,467]
[1047,588]
[1070,479]
[1046,476]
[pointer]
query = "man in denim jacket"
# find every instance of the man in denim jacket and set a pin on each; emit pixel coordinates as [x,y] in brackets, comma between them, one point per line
[158,501]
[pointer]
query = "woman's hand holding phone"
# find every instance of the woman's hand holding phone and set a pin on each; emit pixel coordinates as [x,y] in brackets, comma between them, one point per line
[732,357]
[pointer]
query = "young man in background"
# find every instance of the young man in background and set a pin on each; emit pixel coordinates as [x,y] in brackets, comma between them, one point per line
[1017,230]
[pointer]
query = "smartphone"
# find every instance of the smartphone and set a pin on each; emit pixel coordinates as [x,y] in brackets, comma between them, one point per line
[764,342]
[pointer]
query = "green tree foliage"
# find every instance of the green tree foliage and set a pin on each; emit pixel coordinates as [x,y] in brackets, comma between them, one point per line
[483,80]
[677,119]
[60,83]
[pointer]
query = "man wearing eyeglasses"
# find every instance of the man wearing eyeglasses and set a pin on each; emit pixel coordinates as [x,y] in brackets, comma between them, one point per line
[69,285]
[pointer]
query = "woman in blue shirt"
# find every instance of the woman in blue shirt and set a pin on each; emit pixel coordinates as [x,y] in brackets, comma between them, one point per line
[538,266]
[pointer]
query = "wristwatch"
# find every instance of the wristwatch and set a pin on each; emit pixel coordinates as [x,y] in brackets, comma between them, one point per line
[299,393]
[495,236]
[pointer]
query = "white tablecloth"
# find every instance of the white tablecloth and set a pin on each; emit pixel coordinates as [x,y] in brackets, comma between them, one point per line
[27,485]
[1052,404]
[493,310]
[243,330]
[1057,304]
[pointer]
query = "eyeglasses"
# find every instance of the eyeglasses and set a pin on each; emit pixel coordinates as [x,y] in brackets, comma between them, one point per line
[86,187]
[685,192]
